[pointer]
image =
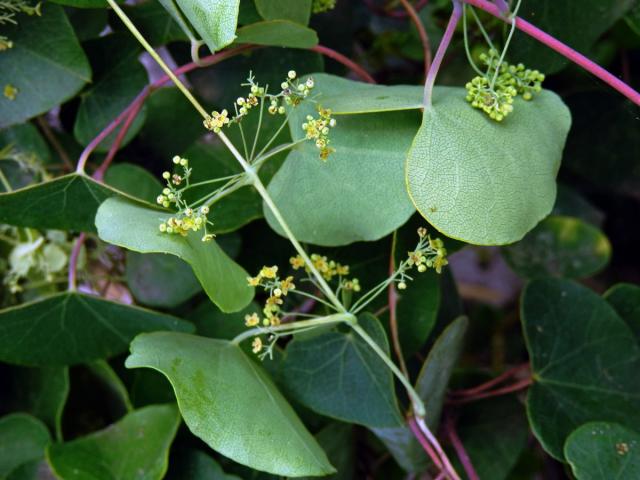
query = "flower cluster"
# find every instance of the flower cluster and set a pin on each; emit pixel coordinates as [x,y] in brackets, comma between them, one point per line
[318,129]
[187,219]
[328,268]
[321,6]
[495,91]
[276,288]
[429,253]
[216,121]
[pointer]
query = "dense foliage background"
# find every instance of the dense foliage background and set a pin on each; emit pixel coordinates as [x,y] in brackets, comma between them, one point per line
[526,355]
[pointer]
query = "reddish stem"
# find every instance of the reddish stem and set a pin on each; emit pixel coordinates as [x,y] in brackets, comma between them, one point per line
[562,49]
[491,383]
[347,62]
[393,308]
[493,393]
[458,446]
[73,261]
[424,38]
[424,443]
[99,173]
[442,48]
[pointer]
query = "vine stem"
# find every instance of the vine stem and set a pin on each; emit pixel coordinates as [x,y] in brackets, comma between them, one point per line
[393,304]
[424,443]
[491,383]
[347,62]
[520,385]
[561,48]
[442,48]
[458,446]
[424,38]
[447,467]
[315,322]
[73,262]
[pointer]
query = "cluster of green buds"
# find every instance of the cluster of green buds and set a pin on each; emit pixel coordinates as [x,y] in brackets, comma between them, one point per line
[495,91]
[429,253]
[187,219]
[321,6]
[318,129]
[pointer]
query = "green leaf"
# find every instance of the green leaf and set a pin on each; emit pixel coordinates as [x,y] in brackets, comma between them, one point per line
[154,22]
[23,439]
[337,440]
[436,371]
[625,299]
[339,375]
[297,11]
[118,79]
[135,447]
[497,184]
[42,392]
[560,246]
[26,139]
[231,404]
[136,228]
[172,9]
[197,465]
[312,195]
[46,65]
[602,451]
[70,328]
[278,33]
[69,202]
[214,20]
[578,23]
[133,180]
[584,358]
[494,433]
[109,378]
[344,96]
[160,280]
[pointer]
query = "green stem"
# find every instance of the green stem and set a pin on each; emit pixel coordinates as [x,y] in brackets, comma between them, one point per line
[466,41]
[486,36]
[207,182]
[293,326]
[416,402]
[136,33]
[275,135]
[5,182]
[506,45]
[257,135]
[261,158]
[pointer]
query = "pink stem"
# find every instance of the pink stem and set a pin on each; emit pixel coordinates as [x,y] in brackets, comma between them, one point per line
[99,173]
[458,446]
[447,467]
[442,48]
[491,383]
[73,262]
[347,62]
[424,443]
[562,49]
[493,393]
[424,38]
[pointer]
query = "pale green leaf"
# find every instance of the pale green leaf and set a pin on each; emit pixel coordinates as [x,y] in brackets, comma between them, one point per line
[70,328]
[359,192]
[214,20]
[136,447]
[604,451]
[278,33]
[339,375]
[136,228]
[487,182]
[584,358]
[231,404]
[23,439]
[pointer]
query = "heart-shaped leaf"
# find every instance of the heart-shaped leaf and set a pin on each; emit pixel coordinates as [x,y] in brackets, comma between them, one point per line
[487,182]
[136,228]
[560,246]
[231,404]
[625,299]
[46,65]
[584,358]
[65,203]
[339,375]
[71,328]
[603,451]
[359,192]
[137,446]
[23,439]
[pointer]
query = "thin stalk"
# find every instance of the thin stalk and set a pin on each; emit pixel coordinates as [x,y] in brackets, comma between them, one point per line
[261,159]
[347,62]
[425,444]
[53,140]
[506,45]
[458,446]
[293,326]
[275,135]
[244,140]
[416,402]
[442,48]
[562,49]
[257,135]
[486,36]
[136,33]
[422,33]
[313,297]
[208,182]
[466,42]
[393,304]
[227,191]
[5,183]
[446,463]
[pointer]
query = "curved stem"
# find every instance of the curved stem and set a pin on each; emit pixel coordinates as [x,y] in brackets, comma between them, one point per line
[424,38]
[562,49]
[442,48]
[520,385]
[446,463]
[393,304]
[424,443]
[458,446]
[491,383]
[347,62]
